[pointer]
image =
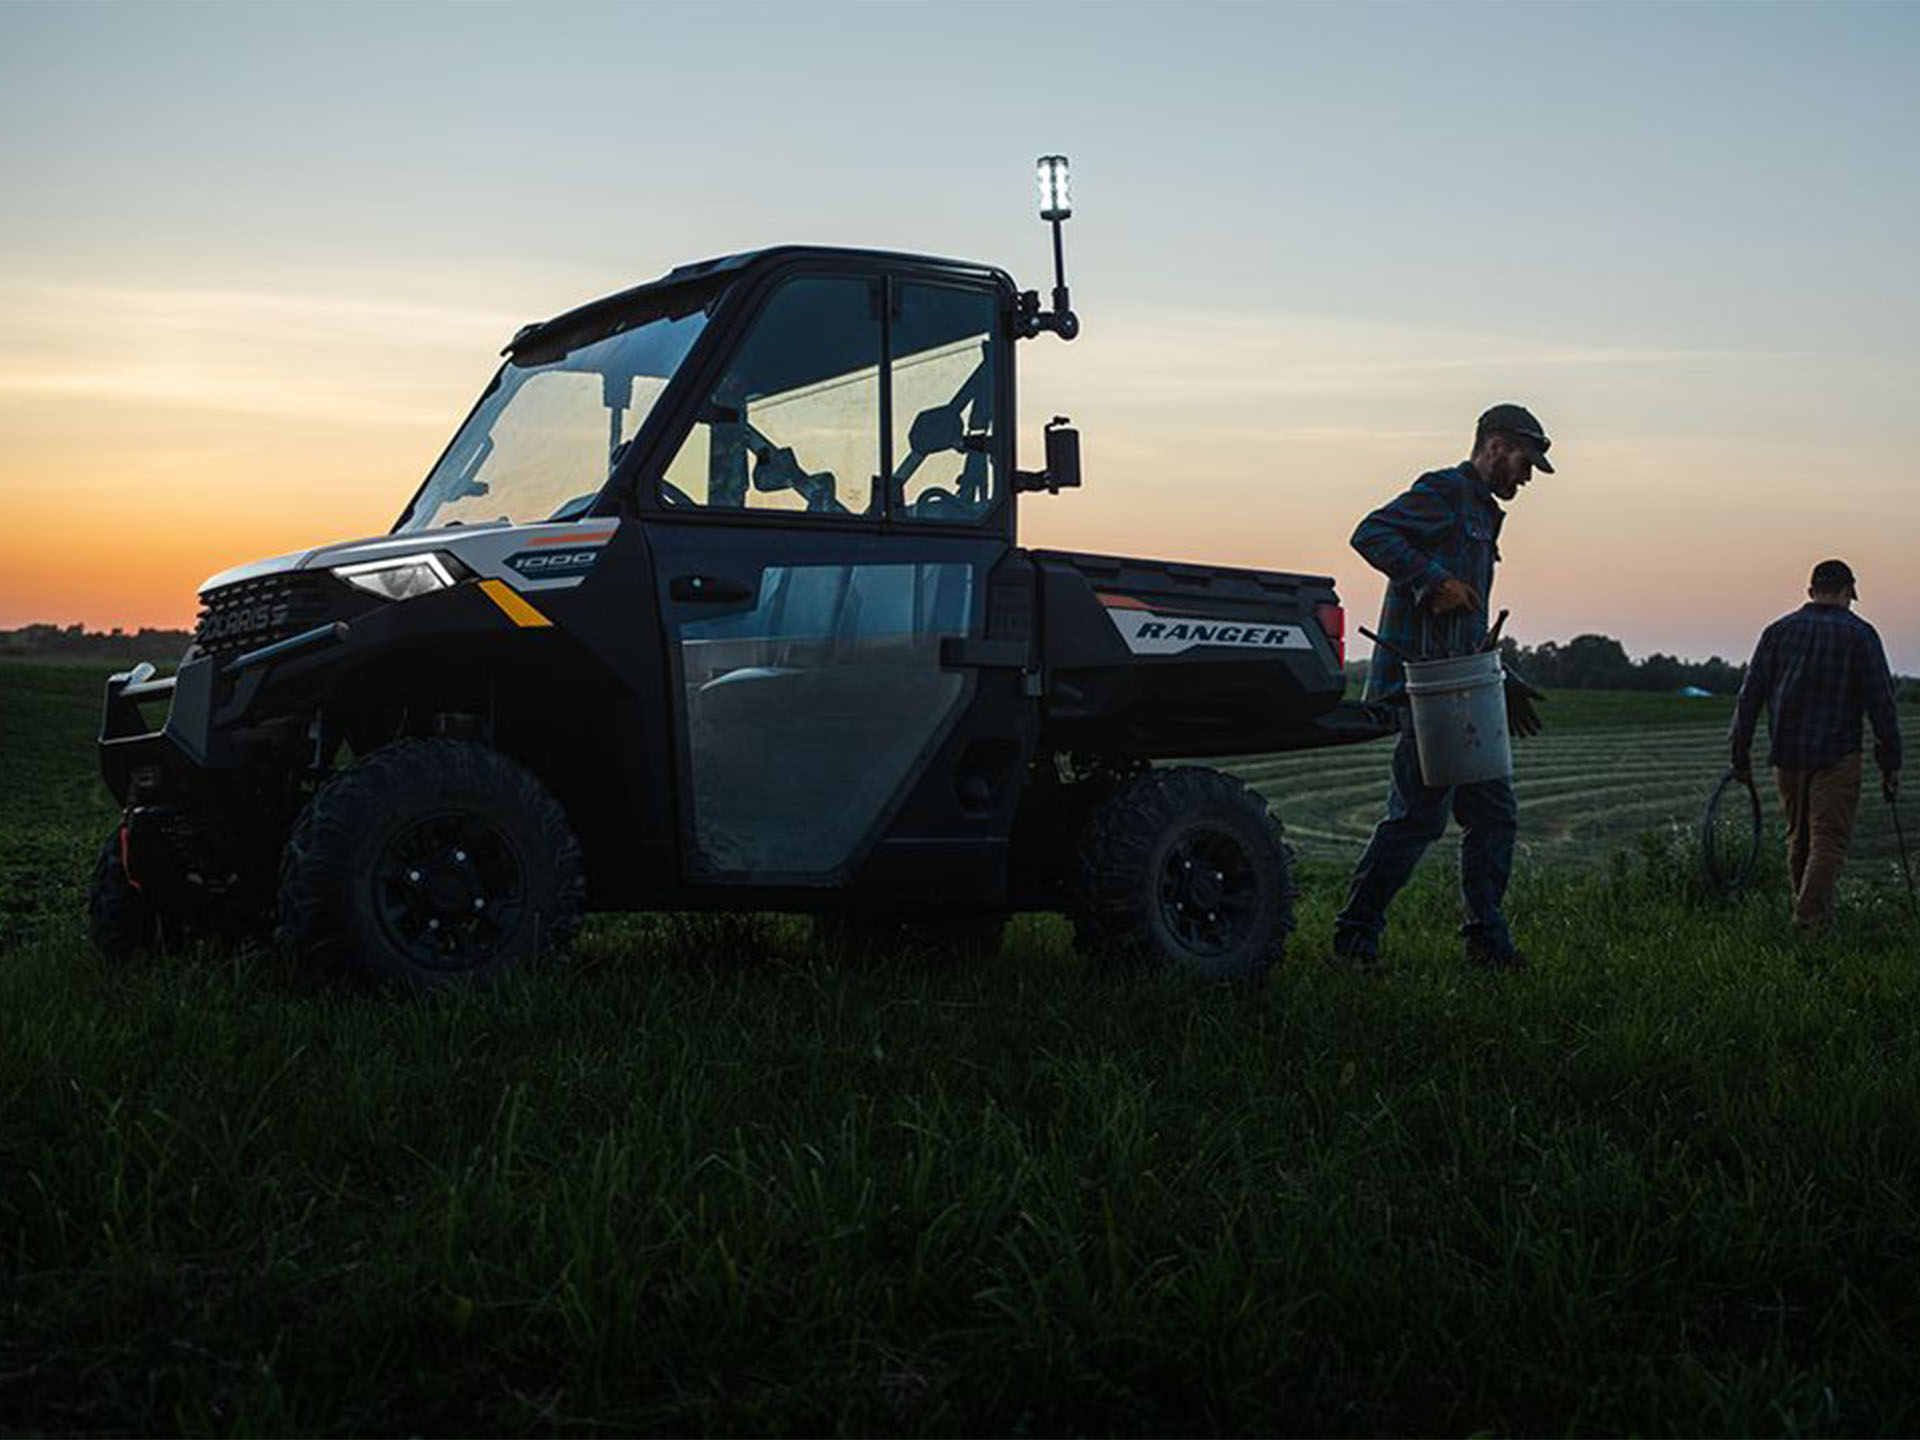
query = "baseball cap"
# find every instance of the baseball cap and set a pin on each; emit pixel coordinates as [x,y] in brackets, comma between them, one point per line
[1518,421]
[1831,575]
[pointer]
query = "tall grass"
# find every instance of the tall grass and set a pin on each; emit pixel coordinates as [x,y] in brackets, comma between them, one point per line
[706,1179]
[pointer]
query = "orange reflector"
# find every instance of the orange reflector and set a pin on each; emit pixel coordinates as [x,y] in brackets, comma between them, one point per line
[517,609]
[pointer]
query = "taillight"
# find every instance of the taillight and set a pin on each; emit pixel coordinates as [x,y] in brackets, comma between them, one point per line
[1333,623]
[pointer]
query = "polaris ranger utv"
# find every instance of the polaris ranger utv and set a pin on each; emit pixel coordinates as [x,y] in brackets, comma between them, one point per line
[714,601]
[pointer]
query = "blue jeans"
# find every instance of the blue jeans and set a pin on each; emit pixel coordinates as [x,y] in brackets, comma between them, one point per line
[1416,816]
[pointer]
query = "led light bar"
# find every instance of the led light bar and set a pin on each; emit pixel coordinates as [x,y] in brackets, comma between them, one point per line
[1056,197]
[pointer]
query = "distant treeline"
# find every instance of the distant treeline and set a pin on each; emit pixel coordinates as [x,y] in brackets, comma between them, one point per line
[1600,662]
[162,647]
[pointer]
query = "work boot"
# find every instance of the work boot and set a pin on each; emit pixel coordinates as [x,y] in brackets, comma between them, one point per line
[1356,949]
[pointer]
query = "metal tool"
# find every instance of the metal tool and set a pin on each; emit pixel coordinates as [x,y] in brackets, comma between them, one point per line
[1906,866]
[1426,631]
[1389,647]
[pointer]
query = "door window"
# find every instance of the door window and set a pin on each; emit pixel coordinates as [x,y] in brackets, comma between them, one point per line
[945,350]
[794,424]
[807,714]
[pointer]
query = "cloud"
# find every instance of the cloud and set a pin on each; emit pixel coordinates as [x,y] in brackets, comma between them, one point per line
[1168,352]
[352,358]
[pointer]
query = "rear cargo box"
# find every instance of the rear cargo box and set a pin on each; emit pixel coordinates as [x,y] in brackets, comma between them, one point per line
[1158,658]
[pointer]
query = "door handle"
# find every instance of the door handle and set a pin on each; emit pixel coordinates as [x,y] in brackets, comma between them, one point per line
[708,589]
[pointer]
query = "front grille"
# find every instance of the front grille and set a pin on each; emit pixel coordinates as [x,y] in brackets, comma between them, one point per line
[251,613]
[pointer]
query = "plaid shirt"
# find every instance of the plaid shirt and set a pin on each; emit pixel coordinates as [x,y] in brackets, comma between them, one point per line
[1817,671]
[1444,528]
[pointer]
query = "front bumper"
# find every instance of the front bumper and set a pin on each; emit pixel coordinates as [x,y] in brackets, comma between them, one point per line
[206,699]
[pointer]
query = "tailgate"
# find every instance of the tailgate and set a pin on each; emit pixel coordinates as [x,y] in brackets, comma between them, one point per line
[1155,657]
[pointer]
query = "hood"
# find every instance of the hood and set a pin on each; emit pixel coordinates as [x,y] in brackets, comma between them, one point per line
[488,550]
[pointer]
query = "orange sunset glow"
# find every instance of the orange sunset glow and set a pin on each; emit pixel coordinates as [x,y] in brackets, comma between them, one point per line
[231,330]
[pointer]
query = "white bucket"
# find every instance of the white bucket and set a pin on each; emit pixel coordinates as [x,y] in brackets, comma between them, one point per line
[1460,718]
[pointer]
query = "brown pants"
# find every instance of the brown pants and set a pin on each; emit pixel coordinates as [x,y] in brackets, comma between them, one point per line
[1820,806]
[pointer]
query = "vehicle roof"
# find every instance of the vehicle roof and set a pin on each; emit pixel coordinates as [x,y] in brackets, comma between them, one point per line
[683,282]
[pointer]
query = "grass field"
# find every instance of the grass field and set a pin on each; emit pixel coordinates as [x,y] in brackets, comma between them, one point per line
[705,1179]
[1609,767]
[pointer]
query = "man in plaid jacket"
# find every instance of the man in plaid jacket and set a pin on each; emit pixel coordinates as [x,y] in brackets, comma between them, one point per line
[1818,671]
[1437,545]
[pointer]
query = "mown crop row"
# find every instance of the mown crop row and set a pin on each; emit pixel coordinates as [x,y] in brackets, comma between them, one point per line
[1582,794]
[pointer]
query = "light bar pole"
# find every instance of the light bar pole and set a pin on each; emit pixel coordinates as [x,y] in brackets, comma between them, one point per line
[1056,204]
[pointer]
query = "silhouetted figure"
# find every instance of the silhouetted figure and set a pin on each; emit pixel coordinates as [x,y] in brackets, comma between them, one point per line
[1818,671]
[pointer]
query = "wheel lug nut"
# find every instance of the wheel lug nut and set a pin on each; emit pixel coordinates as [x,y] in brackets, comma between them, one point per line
[433,924]
[460,856]
[478,903]
[413,877]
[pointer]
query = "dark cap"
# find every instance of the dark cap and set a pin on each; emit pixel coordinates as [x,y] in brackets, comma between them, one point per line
[1831,576]
[1517,421]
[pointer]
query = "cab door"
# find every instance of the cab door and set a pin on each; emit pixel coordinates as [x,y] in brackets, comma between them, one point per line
[828,522]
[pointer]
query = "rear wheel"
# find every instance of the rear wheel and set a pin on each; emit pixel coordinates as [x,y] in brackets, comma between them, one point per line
[433,865]
[1183,869]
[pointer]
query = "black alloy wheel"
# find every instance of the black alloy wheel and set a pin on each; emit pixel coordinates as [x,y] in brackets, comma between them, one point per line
[431,865]
[449,890]
[1209,895]
[1182,869]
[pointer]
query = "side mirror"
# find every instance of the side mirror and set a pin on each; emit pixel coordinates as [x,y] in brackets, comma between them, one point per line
[1063,461]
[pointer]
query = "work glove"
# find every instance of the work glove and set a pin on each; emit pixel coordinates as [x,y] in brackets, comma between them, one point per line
[1522,719]
[1450,595]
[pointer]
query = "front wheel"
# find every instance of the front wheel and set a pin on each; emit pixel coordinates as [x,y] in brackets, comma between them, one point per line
[1183,869]
[122,922]
[431,865]
[141,914]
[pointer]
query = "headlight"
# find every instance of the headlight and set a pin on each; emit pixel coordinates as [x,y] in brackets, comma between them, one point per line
[400,578]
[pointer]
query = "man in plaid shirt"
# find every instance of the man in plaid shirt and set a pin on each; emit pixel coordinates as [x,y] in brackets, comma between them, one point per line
[1818,671]
[1437,545]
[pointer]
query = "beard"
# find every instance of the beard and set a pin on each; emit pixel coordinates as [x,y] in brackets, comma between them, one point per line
[1508,476]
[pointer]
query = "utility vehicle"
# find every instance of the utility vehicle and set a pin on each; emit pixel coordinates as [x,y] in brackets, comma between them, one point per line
[715,601]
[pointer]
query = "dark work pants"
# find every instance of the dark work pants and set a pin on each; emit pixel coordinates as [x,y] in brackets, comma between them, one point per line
[1416,816]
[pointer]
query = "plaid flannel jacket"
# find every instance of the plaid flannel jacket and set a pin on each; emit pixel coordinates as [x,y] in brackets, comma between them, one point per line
[1817,671]
[1446,527]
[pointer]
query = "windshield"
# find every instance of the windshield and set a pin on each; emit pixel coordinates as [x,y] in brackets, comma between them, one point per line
[544,436]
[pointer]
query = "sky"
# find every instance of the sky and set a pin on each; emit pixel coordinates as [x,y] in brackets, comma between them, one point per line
[257,261]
